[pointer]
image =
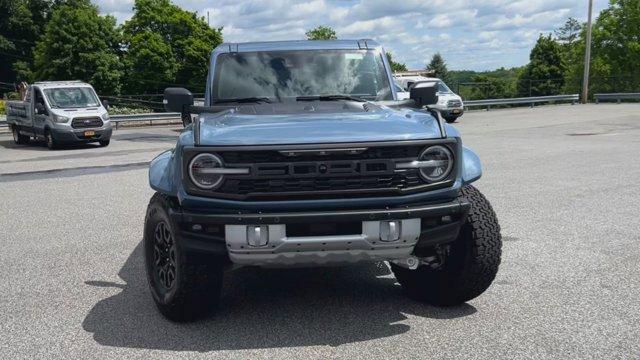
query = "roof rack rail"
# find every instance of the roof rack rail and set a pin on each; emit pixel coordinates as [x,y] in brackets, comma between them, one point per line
[57,81]
[425,73]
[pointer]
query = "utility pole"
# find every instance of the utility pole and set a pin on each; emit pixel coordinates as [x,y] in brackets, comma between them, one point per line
[587,58]
[208,19]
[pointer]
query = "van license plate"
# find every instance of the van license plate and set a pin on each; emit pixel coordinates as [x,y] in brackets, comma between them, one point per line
[89,133]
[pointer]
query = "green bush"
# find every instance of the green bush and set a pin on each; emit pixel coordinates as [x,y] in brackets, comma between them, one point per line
[3,107]
[12,96]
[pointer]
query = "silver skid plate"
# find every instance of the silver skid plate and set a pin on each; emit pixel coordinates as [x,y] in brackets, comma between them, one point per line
[283,251]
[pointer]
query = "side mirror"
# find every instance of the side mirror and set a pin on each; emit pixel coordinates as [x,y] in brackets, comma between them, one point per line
[177,99]
[40,109]
[186,119]
[105,104]
[424,93]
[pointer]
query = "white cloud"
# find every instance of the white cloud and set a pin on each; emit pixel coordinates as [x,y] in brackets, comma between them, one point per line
[469,34]
[440,21]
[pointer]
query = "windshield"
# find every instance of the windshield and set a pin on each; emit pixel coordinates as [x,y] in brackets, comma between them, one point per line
[442,87]
[72,97]
[278,75]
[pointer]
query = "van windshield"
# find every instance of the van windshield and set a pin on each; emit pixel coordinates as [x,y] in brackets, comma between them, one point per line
[276,75]
[442,87]
[72,97]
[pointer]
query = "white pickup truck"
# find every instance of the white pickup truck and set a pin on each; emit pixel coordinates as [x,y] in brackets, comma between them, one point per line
[449,103]
[59,112]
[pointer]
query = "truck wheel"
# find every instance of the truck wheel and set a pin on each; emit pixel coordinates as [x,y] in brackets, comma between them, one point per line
[185,286]
[104,142]
[470,265]
[17,137]
[52,144]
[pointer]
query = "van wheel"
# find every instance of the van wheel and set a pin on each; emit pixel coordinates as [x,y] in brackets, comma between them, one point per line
[17,137]
[105,142]
[52,144]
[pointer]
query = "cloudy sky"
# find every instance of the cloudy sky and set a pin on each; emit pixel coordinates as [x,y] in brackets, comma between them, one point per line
[475,35]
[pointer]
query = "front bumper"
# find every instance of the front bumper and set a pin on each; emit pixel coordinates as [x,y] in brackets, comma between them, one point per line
[78,135]
[457,112]
[353,236]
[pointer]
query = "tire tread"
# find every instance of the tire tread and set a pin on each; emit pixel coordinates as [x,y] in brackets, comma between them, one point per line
[470,276]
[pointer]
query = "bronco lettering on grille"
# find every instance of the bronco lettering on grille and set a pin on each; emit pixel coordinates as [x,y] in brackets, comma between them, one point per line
[322,168]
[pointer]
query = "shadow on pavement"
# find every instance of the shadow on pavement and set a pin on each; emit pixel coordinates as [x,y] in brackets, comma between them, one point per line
[264,308]
[41,146]
[145,137]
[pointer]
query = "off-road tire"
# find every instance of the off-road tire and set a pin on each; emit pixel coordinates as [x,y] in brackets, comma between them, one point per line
[104,143]
[17,137]
[197,285]
[470,265]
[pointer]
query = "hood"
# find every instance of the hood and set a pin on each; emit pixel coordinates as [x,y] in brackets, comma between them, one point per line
[375,123]
[80,112]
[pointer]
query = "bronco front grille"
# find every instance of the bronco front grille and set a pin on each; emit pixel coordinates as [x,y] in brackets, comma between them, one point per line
[354,171]
[264,187]
[86,122]
[273,156]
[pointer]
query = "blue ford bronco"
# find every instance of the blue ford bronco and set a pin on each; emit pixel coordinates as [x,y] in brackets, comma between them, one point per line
[302,156]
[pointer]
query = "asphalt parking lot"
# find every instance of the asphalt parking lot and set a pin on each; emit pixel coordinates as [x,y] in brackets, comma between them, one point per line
[564,181]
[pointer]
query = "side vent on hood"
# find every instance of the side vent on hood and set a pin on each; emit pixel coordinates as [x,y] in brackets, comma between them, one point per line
[365,107]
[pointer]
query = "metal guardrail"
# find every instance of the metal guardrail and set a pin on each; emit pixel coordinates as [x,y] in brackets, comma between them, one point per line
[618,97]
[117,119]
[151,117]
[523,100]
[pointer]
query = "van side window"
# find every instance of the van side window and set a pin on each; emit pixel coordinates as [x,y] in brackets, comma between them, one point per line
[39,97]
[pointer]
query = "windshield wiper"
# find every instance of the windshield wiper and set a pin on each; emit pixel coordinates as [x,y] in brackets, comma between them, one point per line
[244,100]
[328,98]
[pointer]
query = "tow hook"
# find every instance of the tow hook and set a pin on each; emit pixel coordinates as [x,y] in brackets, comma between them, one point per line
[434,262]
[410,263]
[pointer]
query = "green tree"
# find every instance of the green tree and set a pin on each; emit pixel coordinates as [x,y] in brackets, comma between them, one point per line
[569,32]
[149,58]
[321,33]
[173,35]
[21,24]
[544,75]
[77,43]
[395,66]
[615,51]
[439,68]
[489,87]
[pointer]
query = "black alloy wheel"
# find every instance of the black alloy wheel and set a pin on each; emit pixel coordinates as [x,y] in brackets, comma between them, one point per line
[164,257]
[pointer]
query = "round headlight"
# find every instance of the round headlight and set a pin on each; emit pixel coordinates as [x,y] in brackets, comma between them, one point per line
[204,171]
[436,163]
